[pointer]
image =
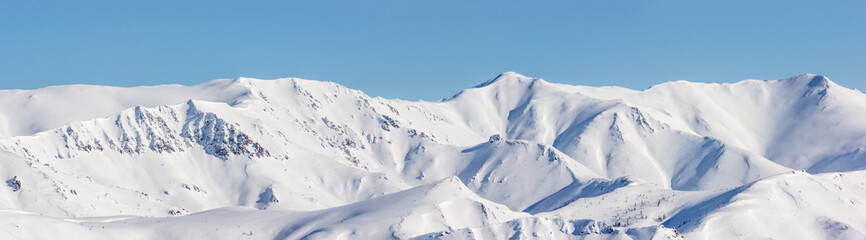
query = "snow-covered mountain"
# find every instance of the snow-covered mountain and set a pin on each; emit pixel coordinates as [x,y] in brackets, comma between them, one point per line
[514,157]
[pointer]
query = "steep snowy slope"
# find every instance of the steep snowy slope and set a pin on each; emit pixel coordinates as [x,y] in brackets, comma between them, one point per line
[787,206]
[805,122]
[520,157]
[610,136]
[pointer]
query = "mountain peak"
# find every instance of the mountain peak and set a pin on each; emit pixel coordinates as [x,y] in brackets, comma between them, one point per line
[243,81]
[814,85]
[506,83]
[810,80]
[505,77]
[819,81]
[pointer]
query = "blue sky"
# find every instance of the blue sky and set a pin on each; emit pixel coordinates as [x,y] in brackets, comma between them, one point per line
[428,49]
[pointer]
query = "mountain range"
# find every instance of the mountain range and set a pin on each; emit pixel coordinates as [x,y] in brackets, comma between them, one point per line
[512,158]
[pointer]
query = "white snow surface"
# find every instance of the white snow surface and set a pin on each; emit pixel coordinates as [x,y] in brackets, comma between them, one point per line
[512,158]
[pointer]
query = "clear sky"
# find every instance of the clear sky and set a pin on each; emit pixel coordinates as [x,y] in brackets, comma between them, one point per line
[429,49]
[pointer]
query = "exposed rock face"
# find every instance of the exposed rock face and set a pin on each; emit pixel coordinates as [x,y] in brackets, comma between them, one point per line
[148,129]
[494,138]
[220,138]
[14,183]
[160,130]
[266,198]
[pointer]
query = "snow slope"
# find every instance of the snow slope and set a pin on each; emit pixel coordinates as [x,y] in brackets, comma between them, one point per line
[514,157]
